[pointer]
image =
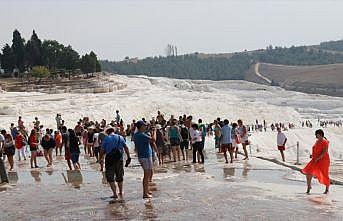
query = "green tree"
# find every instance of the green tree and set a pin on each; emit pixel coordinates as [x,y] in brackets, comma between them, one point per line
[40,72]
[88,64]
[7,59]
[69,59]
[18,48]
[51,53]
[34,50]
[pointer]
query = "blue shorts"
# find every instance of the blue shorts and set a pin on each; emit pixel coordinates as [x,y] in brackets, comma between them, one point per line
[75,157]
[146,163]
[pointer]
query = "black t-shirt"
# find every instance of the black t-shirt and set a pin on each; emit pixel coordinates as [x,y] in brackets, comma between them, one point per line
[74,145]
[184,133]
[48,144]
[90,137]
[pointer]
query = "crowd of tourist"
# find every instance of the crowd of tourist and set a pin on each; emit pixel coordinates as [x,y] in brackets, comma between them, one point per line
[156,141]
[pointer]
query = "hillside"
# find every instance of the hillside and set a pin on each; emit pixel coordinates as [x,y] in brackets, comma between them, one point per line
[319,79]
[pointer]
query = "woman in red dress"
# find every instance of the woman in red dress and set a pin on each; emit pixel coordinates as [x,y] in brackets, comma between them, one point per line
[319,164]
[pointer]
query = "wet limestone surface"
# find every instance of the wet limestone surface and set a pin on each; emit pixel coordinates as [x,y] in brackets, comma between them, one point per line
[245,190]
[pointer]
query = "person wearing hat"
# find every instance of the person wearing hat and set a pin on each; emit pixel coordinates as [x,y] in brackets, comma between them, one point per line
[113,147]
[144,152]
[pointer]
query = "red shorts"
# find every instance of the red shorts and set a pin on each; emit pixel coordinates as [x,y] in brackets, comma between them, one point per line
[281,148]
[67,156]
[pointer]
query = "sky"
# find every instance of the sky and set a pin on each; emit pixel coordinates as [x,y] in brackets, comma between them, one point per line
[142,28]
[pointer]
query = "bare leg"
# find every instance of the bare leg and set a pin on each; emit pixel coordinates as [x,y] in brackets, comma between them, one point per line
[231,154]
[282,155]
[326,190]
[147,175]
[225,155]
[10,160]
[69,165]
[113,188]
[245,152]
[46,156]
[120,187]
[236,153]
[308,181]
[178,152]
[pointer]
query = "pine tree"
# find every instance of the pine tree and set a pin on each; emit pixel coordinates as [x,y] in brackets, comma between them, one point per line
[8,59]
[18,48]
[34,50]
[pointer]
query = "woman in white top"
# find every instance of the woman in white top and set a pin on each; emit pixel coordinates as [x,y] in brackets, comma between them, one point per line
[196,142]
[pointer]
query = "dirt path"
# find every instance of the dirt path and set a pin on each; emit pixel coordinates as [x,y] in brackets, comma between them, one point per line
[257,66]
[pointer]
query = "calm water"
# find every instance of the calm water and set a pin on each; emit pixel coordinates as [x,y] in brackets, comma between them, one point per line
[115,29]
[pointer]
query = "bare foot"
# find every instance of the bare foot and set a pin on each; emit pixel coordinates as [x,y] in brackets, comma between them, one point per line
[147,196]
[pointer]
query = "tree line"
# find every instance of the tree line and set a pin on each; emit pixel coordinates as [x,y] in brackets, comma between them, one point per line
[235,67]
[48,56]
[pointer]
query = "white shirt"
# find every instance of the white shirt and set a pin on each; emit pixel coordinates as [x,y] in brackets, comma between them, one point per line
[281,139]
[195,134]
[96,140]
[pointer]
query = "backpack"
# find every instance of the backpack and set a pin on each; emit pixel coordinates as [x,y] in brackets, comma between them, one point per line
[116,154]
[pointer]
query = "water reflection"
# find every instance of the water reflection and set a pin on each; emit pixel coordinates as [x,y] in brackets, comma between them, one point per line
[74,177]
[149,212]
[246,169]
[229,172]
[36,175]
[49,172]
[13,178]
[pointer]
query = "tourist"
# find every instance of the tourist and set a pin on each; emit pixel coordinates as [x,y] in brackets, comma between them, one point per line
[58,119]
[2,140]
[243,133]
[226,141]
[185,140]
[65,143]
[319,165]
[90,141]
[101,138]
[203,131]
[217,135]
[33,143]
[196,142]
[96,146]
[20,145]
[74,149]
[113,147]
[160,143]
[13,130]
[8,147]
[174,139]
[281,142]
[48,144]
[117,117]
[236,139]
[144,152]
[84,139]
[20,123]
[36,123]
[58,141]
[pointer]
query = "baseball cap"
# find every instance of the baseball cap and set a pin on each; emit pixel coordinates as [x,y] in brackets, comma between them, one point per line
[140,123]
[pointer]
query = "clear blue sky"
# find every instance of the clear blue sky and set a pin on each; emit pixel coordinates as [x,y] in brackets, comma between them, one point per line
[119,28]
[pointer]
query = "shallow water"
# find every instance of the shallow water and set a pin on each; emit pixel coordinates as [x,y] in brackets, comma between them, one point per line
[245,190]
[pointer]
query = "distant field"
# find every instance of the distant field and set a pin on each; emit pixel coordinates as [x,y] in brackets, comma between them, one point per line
[323,79]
